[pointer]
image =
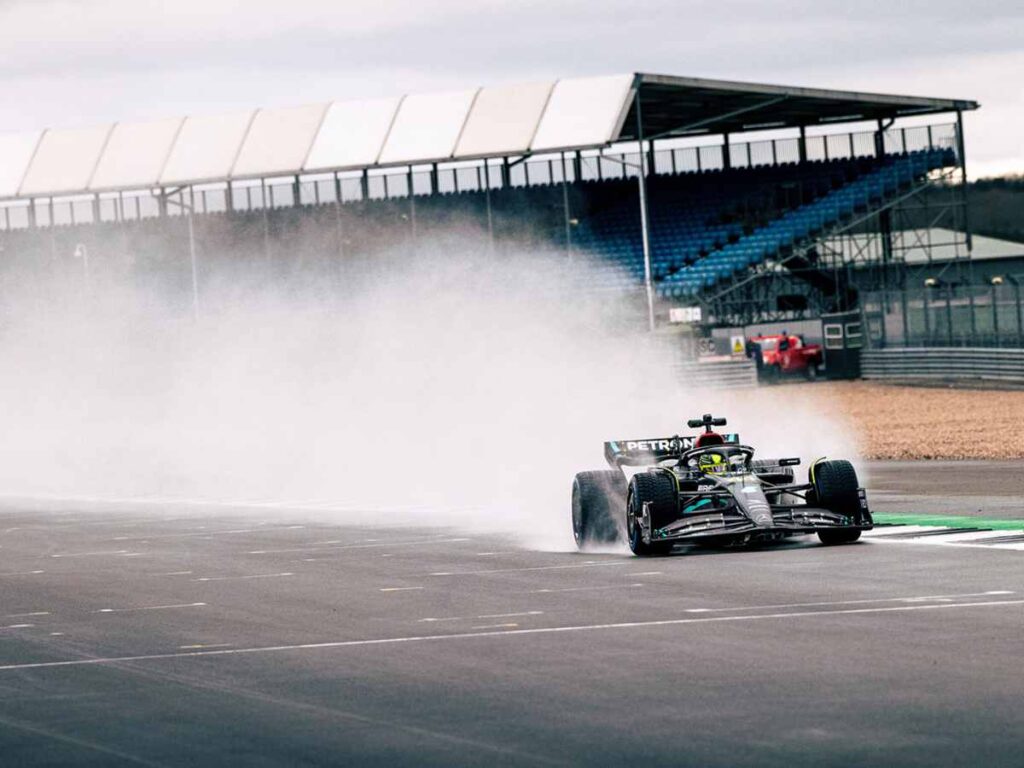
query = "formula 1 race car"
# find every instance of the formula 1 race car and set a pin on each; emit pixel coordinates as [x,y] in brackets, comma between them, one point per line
[709,489]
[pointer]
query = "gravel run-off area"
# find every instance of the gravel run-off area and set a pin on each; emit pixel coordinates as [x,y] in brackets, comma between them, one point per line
[922,422]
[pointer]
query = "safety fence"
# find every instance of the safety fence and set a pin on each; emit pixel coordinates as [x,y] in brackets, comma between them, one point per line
[952,364]
[946,315]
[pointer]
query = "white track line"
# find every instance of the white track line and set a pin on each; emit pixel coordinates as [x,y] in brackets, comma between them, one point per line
[915,599]
[21,573]
[485,616]
[205,533]
[1016,546]
[239,578]
[108,553]
[356,546]
[586,589]
[502,633]
[400,589]
[534,568]
[975,540]
[150,608]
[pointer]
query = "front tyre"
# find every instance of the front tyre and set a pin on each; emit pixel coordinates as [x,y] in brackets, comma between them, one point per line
[836,488]
[657,489]
[839,535]
[598,499]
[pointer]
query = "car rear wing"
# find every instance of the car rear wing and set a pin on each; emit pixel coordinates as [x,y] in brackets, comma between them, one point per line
[638,453]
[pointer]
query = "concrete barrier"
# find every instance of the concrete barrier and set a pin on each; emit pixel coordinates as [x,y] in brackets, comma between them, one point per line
[950,363]
[719,372]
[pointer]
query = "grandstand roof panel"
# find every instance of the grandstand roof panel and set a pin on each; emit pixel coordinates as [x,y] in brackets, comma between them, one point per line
[65,160]
[279,141]
[578,113]
[352,134]
[135,154]
[503,120]
[206,148]
[584,112]
[679,106]
[15,154]
[427,127]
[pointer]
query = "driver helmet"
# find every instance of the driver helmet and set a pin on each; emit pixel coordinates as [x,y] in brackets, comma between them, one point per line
[712,462]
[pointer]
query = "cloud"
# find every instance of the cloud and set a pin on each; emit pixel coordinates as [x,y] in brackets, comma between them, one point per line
[81,61]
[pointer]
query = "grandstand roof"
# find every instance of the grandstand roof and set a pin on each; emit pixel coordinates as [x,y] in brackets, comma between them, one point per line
[513,120]
[679,106]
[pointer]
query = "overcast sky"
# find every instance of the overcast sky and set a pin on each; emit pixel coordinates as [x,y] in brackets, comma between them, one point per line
[74,62]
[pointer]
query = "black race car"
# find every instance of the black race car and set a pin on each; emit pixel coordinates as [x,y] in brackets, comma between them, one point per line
[709,489]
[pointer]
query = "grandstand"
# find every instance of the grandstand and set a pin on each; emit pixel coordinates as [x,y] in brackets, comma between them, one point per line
[740,198]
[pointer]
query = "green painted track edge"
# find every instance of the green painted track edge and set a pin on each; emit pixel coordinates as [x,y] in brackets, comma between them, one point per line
[950,521]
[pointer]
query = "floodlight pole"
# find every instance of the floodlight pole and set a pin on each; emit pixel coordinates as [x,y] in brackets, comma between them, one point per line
[644,221]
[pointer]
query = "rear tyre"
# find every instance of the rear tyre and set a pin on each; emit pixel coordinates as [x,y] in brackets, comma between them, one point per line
[835,487]
[659,490]
[811,372]
[598,499]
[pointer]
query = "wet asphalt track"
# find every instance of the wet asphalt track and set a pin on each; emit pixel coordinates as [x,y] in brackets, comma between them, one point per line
[248,640]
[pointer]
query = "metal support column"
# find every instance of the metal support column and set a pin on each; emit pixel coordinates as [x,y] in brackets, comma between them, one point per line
[1020,315]
[338,232]
[974,324]
[412,220]
[949,314]
[726,154]
[962,157]
[885,217]
[487,200]
[906,318]
[927,316]
[644,220]
[192,255]
[801,146]
[566,214]
[266,219]
[995,316]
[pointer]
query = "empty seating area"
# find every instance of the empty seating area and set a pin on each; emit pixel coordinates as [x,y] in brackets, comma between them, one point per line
[706,227]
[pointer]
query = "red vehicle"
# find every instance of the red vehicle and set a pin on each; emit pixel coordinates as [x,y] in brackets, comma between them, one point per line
[784,354]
